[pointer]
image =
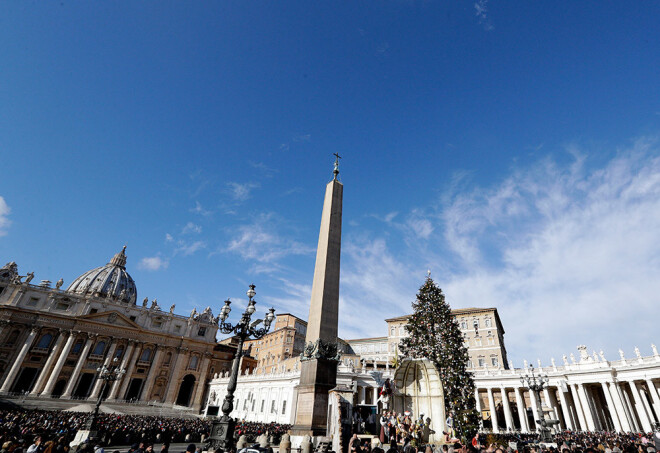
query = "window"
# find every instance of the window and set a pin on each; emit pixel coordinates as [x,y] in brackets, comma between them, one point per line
[32,302]
[402,331]
[120,351]
[245,405]
[156,324]
[487,322]
[263,403]
[463,325]
[272,407]
[146,355]
[475,323]
[477,341]
[77,347]
[168,359]
[132,318]
[392,331]
[202,331]
[283,407]
[61,306]
[99,349]
[252,405]
[193,363]
[45,341]
[177,328]
[494,361]
[482,362]
[93,310]
[469,364]
[11,338]
[491,341]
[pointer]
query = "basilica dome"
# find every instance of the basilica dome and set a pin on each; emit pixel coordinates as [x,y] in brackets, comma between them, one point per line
[110,281]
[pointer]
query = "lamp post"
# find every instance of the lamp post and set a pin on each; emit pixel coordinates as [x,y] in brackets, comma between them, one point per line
[536,384]
[111,374]
[222,429]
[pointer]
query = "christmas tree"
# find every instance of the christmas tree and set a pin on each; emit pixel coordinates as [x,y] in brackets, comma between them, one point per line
[434,334]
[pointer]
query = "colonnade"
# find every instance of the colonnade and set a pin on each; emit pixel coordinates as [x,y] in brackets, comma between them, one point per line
[616,405]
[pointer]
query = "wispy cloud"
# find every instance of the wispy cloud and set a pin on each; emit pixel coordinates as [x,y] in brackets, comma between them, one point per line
[190,228]
[259,241]
[241,192]
[168,237]
[481,11]
[4,217]
[199,209]
[302,137]
[189,248]
[153,263]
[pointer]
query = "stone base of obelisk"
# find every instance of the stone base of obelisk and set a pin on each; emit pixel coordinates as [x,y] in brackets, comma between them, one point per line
[317,378]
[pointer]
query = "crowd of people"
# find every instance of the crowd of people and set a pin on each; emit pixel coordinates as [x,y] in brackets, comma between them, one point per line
[404,429]
[56,429]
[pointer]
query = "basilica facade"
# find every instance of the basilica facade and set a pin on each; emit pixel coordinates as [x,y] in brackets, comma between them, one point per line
[53,340]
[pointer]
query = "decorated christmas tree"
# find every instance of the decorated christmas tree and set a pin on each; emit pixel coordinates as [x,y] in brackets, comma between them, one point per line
[434,334]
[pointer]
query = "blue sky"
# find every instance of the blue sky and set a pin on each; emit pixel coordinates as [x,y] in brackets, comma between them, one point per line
[510,147]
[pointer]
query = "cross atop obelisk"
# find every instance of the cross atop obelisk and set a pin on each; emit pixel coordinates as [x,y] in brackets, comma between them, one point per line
[318,372]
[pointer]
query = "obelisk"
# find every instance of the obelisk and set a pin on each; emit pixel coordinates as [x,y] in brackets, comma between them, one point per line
[318,371]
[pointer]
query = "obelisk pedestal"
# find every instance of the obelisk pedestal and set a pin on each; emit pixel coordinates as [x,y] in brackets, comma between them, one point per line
[318,371]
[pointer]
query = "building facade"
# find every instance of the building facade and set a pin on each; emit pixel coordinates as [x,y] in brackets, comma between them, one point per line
[273,352]
[52,340]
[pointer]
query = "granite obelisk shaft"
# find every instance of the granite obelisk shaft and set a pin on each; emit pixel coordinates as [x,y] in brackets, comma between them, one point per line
[318,372]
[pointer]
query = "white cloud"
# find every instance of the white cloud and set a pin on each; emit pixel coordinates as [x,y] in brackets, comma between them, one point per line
[191,228]
[260,242]
[241,192]
[187,249]
[153,263]
[198,209]
[481,11]
[168,237]
[568,253]
[4,216]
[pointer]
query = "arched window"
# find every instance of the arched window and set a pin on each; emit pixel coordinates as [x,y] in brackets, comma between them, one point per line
[120,351]
[146,355]
[44,343]
[99,349]
[193,363]
[77,347]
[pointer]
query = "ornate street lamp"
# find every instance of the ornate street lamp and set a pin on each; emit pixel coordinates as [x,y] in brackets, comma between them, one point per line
[536,384]
[111,374]
[222,429]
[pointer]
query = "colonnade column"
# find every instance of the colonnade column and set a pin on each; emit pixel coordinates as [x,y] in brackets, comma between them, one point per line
[612,408]
[568,420]
[151,376]
[98,385]
[641,411]
[49,363]
[197,400]
[535,410]
[18,362]
[81,361]
[624,418]
[584,399]
[362,394]
[131,366]
[508,419]
[375,396]
[173,386]
[654,396]
[52,379]
[477,406]
[522,412]
[172,369]
[493,413]
[115,385]
[551,405]
[578,407]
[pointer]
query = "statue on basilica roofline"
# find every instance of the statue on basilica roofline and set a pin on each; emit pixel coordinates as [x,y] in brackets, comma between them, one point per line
[154,305]
[59,283]
[29,277]
[9,271]
[172,308]
[193,313]
[145,301]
